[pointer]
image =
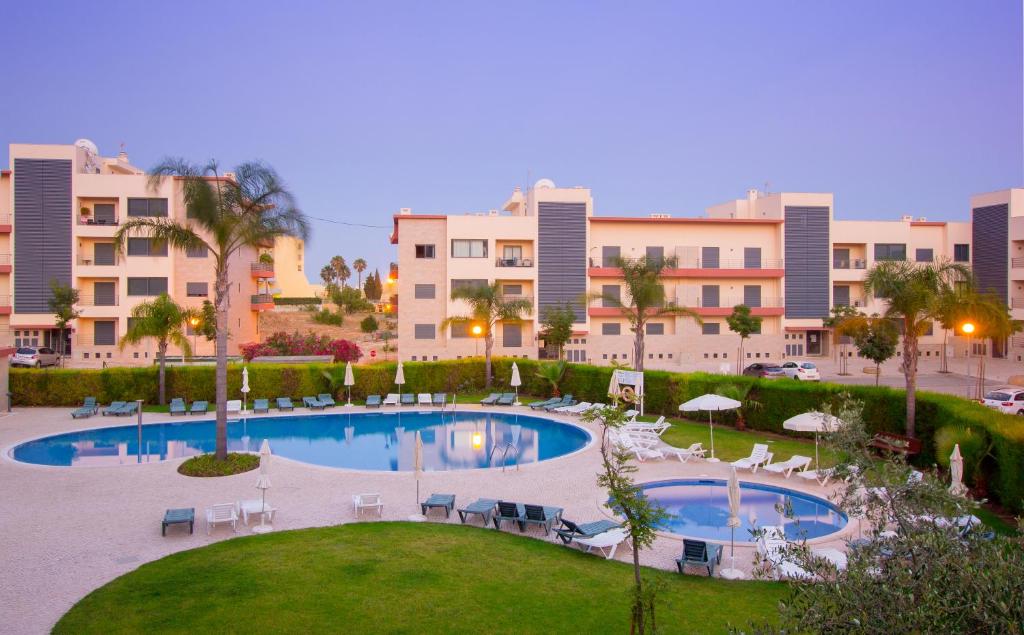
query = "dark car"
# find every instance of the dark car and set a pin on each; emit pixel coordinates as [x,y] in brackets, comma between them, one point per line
[766,370]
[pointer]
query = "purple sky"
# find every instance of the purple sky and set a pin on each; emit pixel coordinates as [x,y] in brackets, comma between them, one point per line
[897,107]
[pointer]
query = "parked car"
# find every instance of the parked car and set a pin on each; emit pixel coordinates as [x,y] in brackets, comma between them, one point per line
[35,357]
[766,370]
[801,371]
[1008,399]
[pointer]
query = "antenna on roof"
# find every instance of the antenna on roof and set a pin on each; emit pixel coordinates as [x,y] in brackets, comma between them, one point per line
[767,185]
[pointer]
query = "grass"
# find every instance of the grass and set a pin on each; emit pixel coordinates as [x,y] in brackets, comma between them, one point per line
[732,444]
[207,465]
[403,578]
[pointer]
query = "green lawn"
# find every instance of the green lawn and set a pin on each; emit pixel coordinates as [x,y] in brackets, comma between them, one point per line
[731,444]
[402,578]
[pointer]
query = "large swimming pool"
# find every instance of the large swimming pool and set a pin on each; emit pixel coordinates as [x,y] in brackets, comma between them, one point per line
[699,508]
[383,441]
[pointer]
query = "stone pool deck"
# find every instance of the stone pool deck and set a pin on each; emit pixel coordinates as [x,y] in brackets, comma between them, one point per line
[66,531]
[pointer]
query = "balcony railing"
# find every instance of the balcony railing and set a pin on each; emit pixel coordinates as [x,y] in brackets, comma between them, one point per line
[513,262]
[509,298]
[1017,303]
[856,302]
[262,298]
[5,300]
[1017,262]
[697,263]
[262,269]
[856,263]
[89,220]
[90,261]
[5,259]
[92,300]
[766,302]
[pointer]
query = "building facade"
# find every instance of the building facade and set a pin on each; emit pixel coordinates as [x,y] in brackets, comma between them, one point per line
[782,254]
[60,206]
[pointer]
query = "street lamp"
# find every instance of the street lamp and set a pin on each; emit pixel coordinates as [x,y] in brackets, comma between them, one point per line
[477,330]
[194,322]
[967,328]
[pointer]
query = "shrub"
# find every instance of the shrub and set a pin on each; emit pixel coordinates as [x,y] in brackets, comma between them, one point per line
[296,301]
[282,343]
[350,300]
[208,465]
[326,316]
[369,324]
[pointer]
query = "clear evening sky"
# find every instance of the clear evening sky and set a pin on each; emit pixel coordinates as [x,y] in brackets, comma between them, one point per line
[897,106]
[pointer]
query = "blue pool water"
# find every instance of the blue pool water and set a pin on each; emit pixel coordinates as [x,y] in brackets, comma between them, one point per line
[699,508]
[382,441]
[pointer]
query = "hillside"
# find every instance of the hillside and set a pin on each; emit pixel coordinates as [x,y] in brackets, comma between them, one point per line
[302,321]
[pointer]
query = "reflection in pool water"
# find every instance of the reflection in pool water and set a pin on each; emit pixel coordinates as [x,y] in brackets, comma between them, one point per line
[366,441]
[699,508]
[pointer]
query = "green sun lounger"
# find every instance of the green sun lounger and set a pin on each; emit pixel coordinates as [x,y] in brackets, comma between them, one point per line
[698,553]
[490,399]
[570,530]
[539,515]
[506,399]
[440,398]
[260,405]
[483,507]
[285,404]
[408,399]
[326,399]
[537,405]
[508,512]
[177,406]
[373,401]
[87,409]
[443,501]
[312,403]
[567,400]
[199,407]
[128,410]
[113,408]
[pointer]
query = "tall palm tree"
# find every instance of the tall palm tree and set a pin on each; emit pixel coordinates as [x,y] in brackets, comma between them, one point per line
[911,290]
[646,298]
[948,309]
[360,266]
[226,215]
[992,321]
[487,308]
[164,320]
[341,270]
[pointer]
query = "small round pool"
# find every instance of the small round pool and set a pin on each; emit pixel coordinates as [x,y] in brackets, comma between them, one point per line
[699,508]
[383,441]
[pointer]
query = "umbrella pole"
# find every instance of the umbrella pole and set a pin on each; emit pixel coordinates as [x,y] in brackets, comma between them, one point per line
[817,464]
[711,426]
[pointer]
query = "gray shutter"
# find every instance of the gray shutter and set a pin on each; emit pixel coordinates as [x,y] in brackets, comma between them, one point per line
[138,246]
[562,255]
[752,295]
[103,333]
[42,233]
[424,331]
[710,328]
[157,286]
[655,328]
[608,256]
[841,295]
[424,292]
[138,286]
[103,214]
[103,254]
[752,257]
[656,254]
[196,289]
[709,258]
[611,328]
[512,335]
[611,290]
[103,294]
[709,295]
[989,231]
[807,266]
[840,258]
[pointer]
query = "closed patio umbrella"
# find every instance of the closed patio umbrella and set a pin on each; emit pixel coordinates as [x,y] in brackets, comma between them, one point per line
[400,376]
[956,472]
[516,381]
[711,403]
[813,422]
[245,386]
[417,466]
[263,484]
[613,389]
[350,381]
[732,572]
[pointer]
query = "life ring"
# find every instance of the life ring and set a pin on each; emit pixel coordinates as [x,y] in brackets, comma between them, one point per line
[628,395]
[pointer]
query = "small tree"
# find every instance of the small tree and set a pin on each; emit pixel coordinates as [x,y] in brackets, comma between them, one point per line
[875,338]
[164,320]
[359,265]
[349,300]
[372,287]
[369,324]
[62,302]
[553,374]
[840,314]
[626,499]
[743,324]
[556,324]
[488,307]
[208,321]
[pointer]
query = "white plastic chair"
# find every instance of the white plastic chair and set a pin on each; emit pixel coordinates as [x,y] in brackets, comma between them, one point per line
[758,456]
[221,513]
[391,399]
[361,502]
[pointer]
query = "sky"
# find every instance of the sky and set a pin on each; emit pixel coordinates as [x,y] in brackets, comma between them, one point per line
[898,107]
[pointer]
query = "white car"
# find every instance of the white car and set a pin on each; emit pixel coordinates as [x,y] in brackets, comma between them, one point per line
[1008,399]
[801,371]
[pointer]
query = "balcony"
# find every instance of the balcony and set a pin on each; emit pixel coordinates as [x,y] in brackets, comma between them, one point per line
[856,263]
[90,261]
[94,300]
[89,220]
[262,302]
[262,269]
[769,306]
[5,224]
[1017,303]
[5,305]
[5,263]
[513,262]
[855,302]
[697,268]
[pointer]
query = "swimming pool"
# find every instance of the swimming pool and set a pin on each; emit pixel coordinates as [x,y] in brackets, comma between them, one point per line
[699,508]
[383,441]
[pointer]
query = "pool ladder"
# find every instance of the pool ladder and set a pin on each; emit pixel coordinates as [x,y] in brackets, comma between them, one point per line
[505,448]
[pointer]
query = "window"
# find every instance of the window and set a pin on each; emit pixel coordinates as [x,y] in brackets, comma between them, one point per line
[709,257]
[469,248]
[464,283]
[511,335]
[710,328]
[611,328]
[840,258]
[752,257]
[709,295]
[460,330]
[103,333]
[841,295]
[512,253]
[147,286]
[425,292]
[103,254]
[890,251]
[104,294]
[655,328]
[512,289]
[424,251]
[103,213]
[752,295]
[197,289]
[147,207]
[610,291]
[609,256]
[146,247]
[924,255]
[656,254]
[424,331]
[962,253]
[198,252]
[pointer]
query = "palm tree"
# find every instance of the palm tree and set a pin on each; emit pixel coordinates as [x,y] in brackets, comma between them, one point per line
[341,270]
[642,277]
[163,319]
[487,307]
[226,215]
[911,290]
[992,321]
[948,309]
[360,266]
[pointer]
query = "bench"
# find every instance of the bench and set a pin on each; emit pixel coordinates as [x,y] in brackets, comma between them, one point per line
[896,443]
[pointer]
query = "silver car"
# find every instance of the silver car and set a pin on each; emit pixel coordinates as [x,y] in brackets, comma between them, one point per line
[35,357]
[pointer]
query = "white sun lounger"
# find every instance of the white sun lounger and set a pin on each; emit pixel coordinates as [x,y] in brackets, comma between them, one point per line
[574,410]
[758,456]
[368,501]
[631,415]
[684,454]
[638,449]
[423,399]
[234,406]
[786,467]
[658,427]
[391,399]
[221,513]
[609,540]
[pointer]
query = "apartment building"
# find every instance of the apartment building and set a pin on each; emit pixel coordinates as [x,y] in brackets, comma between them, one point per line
[60,206]
[782,254]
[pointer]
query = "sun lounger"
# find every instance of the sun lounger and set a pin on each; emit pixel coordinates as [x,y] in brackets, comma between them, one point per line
[658,427]
[284,404]
[222,513]
[90,402]
[260,405]
[490,399]
[199,407]
[373,401]
[312,403]
[443,501]
[570,530]
[759,456]
[786,467]
[128,410]
[542,516]
[326,399]
[630,416]
[177,406]
[234,406]
[567,400]
[609,540]
[182,516]
[508,512]
[391,399]
[113,408]
[640,451]
[439,399]
[87,409]
[698,553]
[408,399]
[537,405]
[506,399]
[423,399]
[483,507]
[575,409]
[684,454]
[368,501]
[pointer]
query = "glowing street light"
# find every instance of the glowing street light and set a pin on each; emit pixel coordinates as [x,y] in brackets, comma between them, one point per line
[967,327]
[477,330]
[194,322]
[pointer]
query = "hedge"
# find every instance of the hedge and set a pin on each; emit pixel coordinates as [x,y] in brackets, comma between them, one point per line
[941,419]
[281,301]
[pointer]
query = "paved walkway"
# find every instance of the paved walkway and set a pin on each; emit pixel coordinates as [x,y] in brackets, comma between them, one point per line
[66,531]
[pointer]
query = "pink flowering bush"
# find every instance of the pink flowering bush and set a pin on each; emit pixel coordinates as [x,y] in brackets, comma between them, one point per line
[282,343]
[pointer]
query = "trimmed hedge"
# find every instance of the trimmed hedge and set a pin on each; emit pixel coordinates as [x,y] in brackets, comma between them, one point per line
[282,301]
[973,426]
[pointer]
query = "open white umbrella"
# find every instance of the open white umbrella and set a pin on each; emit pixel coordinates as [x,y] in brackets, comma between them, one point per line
[400,376]
[734,521]
[516,381]
[711,403]
[956,472]
[350,381]
[813,422]
[245,386]
[263,483]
